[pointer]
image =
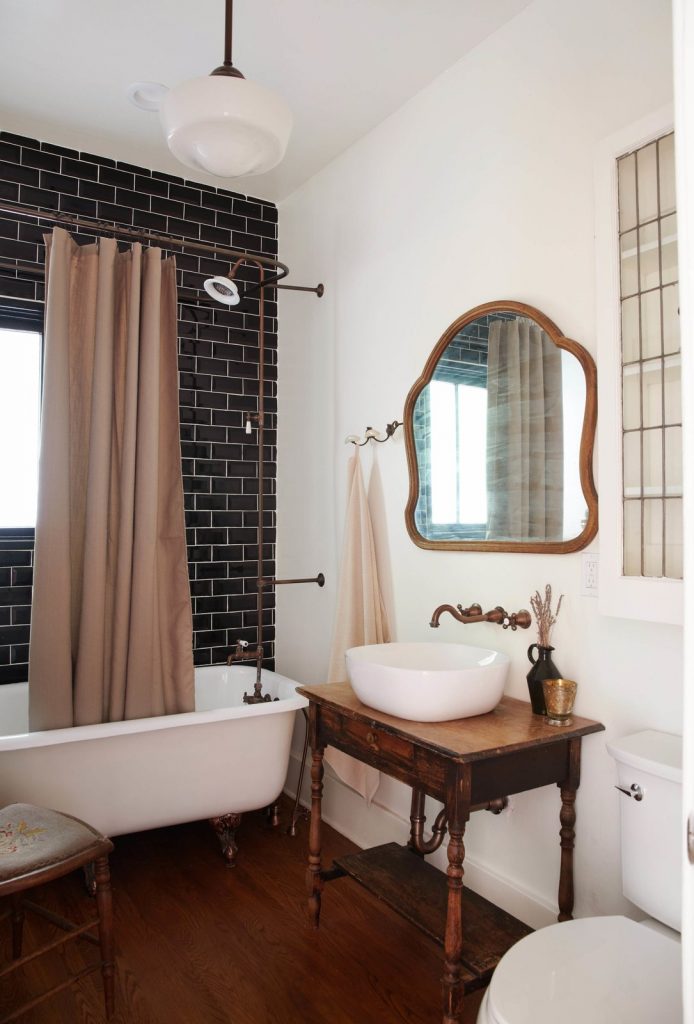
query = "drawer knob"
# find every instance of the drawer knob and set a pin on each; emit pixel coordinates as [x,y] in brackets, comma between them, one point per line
[372,739]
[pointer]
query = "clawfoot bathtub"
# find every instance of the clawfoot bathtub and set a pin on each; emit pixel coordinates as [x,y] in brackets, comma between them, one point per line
[216,762]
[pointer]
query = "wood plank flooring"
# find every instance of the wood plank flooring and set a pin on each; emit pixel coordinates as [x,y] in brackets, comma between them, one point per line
[200,942]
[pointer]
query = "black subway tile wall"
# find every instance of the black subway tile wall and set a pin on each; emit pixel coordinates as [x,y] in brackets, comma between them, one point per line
[218,373]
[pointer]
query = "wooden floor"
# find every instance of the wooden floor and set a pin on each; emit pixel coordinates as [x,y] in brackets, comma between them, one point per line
[200,942]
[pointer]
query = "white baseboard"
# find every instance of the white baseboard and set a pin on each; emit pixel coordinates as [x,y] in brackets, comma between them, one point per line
[346,812]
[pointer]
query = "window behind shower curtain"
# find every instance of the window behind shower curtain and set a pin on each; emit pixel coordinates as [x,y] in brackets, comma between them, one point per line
[21,344]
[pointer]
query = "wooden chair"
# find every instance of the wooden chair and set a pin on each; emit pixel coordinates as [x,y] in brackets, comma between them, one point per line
[38,846]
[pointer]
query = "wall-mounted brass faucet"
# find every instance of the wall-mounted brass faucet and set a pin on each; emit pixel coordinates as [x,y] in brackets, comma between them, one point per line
[514,620]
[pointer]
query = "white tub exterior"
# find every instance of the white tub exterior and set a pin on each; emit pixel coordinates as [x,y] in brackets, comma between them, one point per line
[225,757]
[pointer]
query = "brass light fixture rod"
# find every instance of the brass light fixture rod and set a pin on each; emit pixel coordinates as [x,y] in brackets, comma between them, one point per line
[498,615]
[227,67]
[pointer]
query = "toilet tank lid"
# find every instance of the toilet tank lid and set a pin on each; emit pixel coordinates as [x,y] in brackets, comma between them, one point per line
[658,753]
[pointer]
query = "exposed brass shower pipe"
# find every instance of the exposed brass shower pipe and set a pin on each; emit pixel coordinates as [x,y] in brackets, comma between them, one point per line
[257,691]
[262,581]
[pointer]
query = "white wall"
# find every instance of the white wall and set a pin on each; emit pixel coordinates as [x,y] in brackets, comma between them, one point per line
[683,25]
[480,188]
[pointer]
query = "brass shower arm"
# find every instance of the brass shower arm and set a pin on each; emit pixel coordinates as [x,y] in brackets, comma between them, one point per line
[271,581]
[268,282]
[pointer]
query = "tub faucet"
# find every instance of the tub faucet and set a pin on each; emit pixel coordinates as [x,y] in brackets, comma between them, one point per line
[243,652]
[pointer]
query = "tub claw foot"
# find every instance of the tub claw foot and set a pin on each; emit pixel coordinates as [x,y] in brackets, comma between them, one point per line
[226,827]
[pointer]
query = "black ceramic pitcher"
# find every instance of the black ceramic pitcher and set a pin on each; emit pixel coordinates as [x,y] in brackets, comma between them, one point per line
[543,668]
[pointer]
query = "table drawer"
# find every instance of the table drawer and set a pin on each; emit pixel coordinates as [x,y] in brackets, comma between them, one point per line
[367,740]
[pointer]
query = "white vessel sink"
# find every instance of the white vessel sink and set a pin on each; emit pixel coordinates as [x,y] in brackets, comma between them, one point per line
[427,682]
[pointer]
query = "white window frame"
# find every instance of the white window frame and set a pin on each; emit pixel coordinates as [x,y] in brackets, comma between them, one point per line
[629,597]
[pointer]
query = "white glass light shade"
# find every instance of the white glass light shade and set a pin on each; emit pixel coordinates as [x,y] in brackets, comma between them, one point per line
[226,126]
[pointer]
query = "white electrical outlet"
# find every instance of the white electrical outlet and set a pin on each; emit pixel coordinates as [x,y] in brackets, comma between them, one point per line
[589,574]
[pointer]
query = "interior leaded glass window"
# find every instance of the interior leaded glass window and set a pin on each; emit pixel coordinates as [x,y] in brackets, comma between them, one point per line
[651,375]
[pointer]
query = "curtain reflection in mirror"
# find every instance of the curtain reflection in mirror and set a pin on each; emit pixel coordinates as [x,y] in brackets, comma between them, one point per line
[525,433]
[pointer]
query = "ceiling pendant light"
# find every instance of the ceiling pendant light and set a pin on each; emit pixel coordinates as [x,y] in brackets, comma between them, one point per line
[224,124]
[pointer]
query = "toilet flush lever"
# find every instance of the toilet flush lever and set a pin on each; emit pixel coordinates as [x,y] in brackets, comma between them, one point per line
[634,791]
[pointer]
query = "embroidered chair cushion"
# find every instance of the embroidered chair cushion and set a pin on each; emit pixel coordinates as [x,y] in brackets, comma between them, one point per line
[32,838]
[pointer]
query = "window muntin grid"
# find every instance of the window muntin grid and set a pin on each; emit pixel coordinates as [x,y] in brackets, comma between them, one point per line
[651,369]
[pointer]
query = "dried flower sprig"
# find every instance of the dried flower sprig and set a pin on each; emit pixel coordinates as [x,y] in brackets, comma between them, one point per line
[542,609]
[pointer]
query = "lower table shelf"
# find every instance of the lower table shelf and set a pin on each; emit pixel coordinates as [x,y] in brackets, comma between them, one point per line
[418,891]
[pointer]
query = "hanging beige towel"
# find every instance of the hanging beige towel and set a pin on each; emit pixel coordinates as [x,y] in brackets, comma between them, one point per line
[360,617]
[377,511]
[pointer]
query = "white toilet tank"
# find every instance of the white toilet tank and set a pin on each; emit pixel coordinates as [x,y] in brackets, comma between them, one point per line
[649,766]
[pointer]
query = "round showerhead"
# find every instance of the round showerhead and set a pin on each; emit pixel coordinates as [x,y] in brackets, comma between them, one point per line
[223,290]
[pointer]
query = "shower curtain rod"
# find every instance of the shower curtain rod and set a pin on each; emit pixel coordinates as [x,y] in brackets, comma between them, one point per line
[186,296]
[168,241]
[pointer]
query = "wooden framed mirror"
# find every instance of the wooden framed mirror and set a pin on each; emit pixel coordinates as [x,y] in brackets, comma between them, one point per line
[499,431]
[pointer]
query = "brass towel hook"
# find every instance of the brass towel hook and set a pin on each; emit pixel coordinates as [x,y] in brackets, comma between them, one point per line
[373,435]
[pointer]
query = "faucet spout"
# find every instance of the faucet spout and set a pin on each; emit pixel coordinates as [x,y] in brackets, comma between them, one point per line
[244,652]
[464,615]
[499,616]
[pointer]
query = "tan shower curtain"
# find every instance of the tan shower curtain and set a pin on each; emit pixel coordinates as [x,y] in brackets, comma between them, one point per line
[111,629]
[525,434]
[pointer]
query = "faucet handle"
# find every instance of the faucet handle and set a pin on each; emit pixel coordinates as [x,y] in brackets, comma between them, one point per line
[474,609]
[238,653]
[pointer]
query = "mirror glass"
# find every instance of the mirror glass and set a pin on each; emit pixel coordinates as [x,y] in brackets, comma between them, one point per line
[496,436]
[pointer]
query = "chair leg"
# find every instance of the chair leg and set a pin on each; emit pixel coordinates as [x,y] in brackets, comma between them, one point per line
[105,908]
[17,925]
[89,880]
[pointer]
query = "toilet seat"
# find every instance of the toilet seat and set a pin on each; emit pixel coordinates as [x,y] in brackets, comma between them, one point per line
[604,970]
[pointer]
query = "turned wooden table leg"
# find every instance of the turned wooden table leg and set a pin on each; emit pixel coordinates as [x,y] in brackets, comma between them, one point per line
[458,807]
[567,832]
[453,942]
[314,881]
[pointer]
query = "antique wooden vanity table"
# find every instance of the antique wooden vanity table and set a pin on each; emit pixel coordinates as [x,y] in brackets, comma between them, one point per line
[465,764]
